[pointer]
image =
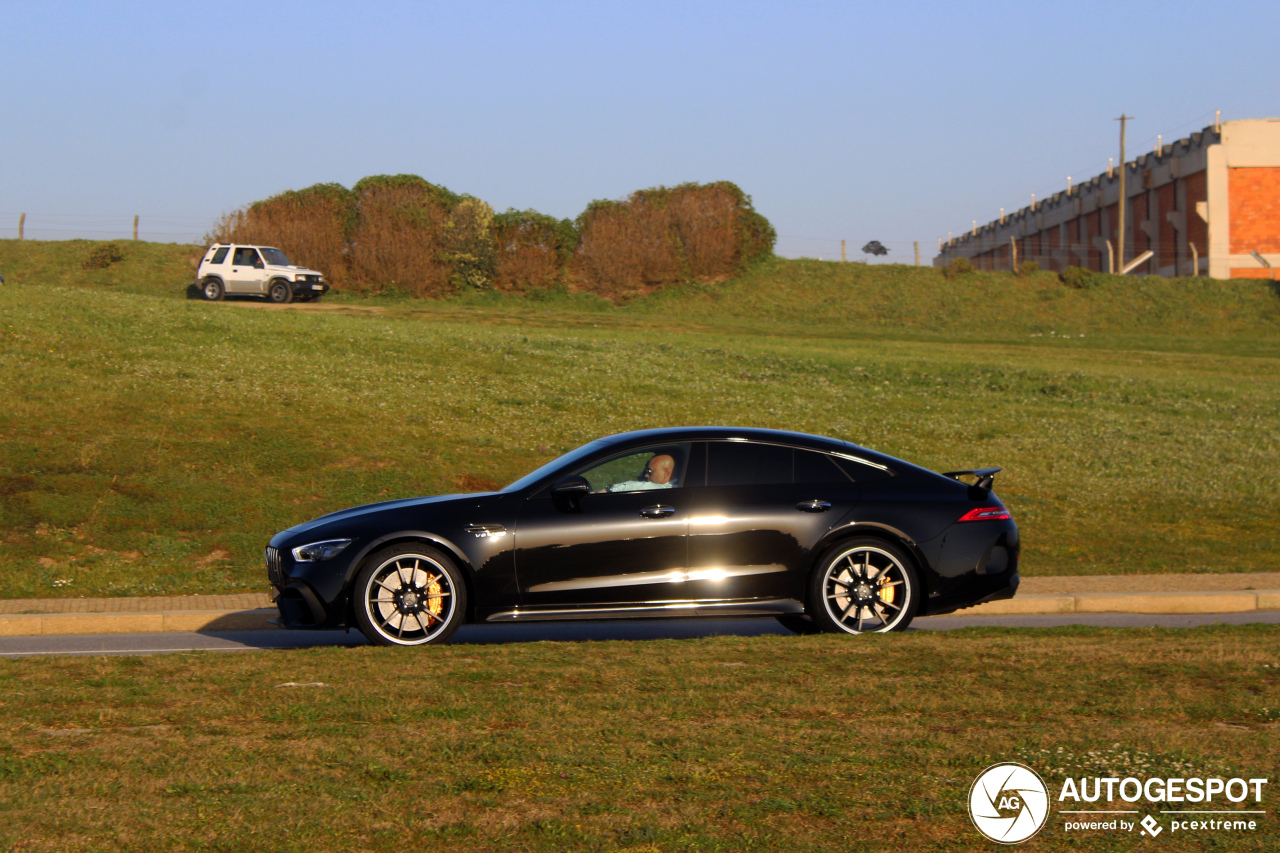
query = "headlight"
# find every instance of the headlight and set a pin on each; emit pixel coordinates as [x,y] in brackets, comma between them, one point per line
[318,551]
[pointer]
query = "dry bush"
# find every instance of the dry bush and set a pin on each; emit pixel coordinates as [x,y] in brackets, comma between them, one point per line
[533,250]
[626,249]
[311,226]
[400,234]
[660,236]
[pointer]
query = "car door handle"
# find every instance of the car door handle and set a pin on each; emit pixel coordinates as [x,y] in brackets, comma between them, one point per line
[813,506]
[658,511]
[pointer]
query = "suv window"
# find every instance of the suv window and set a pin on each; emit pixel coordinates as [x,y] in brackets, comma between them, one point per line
[742,463]
[275,257]
[660,467]
[245,257]
[220,255]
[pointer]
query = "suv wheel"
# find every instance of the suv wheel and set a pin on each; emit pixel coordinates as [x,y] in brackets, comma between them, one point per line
[212,290]
[280,292]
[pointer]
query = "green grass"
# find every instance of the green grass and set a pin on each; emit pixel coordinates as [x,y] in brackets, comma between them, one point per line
[728,743]
[152,444]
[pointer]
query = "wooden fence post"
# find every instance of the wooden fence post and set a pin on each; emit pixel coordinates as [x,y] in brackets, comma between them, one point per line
[1195,259]
[917,253]
[22,225]
[135,226]
[842,257]
[1013,253]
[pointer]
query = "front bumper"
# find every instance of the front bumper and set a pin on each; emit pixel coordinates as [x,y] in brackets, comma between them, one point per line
[310,288]
[307,595]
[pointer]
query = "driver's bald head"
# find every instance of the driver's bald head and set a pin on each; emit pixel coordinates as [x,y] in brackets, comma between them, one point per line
[661,467]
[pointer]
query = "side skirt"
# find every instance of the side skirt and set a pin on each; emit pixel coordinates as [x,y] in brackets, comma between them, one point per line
[654,610]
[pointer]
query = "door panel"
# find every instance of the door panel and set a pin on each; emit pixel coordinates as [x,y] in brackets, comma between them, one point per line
[761,535]
[243,276]
[615,549]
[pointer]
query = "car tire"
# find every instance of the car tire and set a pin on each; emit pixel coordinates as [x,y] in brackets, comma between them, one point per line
[213,290]
[280,292]
[864,585]
[409,595]
[797,623]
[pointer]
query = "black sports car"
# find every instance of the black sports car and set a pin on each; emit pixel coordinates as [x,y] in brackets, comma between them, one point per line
[697,521]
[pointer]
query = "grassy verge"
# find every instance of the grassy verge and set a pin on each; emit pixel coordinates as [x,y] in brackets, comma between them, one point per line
[735,744]
[152,445]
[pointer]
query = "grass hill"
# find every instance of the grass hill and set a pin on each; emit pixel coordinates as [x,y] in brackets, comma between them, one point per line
[153,443]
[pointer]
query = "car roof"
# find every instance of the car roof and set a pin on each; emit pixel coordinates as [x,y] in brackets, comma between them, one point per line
[725,433]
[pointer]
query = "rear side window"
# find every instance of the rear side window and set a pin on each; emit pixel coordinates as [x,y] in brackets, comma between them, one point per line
[814,467]
[741,463]
[860,472]
[219,256]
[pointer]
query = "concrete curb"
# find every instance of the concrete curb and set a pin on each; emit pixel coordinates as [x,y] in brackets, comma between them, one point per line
[1236,601]
[136,623]
[249,620]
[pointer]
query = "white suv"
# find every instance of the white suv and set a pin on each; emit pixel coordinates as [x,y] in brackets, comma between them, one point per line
[256,271]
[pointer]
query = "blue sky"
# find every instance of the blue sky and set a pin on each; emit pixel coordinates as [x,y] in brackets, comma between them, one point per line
[888,121]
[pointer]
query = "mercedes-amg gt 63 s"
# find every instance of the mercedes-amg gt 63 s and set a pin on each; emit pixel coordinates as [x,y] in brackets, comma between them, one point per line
[700,521]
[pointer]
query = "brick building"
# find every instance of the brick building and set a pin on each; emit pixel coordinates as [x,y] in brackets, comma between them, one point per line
[1201,205]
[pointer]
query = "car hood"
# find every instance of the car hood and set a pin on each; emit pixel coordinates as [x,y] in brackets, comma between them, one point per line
[475,498]
[294,268]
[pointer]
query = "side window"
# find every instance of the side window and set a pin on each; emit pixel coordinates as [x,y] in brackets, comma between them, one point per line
[661,467]
[859,472]
[245,257]
[814,467]
[742,463]
[219,256]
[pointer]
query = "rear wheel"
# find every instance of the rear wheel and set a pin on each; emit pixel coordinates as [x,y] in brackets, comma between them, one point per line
[280,292]
[212,290]
[409,596]
[864,586]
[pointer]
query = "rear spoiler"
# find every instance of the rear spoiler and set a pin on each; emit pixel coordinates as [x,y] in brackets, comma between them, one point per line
[986,476]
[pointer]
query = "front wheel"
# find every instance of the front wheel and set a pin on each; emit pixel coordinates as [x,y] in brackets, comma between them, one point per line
[409,596]
[864,586]
[212,290]
[280,292]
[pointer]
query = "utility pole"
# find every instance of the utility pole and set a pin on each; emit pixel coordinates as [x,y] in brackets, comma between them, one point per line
[1124,202]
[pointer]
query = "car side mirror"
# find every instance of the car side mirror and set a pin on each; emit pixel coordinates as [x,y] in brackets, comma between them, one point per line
[571,486]
[568,490]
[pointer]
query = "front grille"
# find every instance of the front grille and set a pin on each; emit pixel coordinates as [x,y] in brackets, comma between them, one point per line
[275,571]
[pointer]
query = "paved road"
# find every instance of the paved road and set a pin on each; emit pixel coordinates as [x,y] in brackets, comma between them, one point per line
[678,629]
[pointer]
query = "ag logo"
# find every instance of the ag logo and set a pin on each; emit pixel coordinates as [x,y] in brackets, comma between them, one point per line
[1008,803]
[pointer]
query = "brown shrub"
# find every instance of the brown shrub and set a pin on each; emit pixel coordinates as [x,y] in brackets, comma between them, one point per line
[662,236]
[398,237]
[401,232]
[311,226]
[533,250]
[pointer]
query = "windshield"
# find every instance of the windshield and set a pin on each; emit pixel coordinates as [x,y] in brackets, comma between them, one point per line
[274,257]
[569,458]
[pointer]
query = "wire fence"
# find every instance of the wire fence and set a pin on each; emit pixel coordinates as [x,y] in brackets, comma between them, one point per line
[103,226]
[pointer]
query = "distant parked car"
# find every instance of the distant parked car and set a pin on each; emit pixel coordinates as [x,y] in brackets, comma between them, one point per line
[257,271]
[697,521]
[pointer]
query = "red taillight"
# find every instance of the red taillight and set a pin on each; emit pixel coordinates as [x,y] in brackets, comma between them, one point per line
[986,513]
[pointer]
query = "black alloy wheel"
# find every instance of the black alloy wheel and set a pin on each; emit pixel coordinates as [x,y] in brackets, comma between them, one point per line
[409,596]
[864,586]
[280,292]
